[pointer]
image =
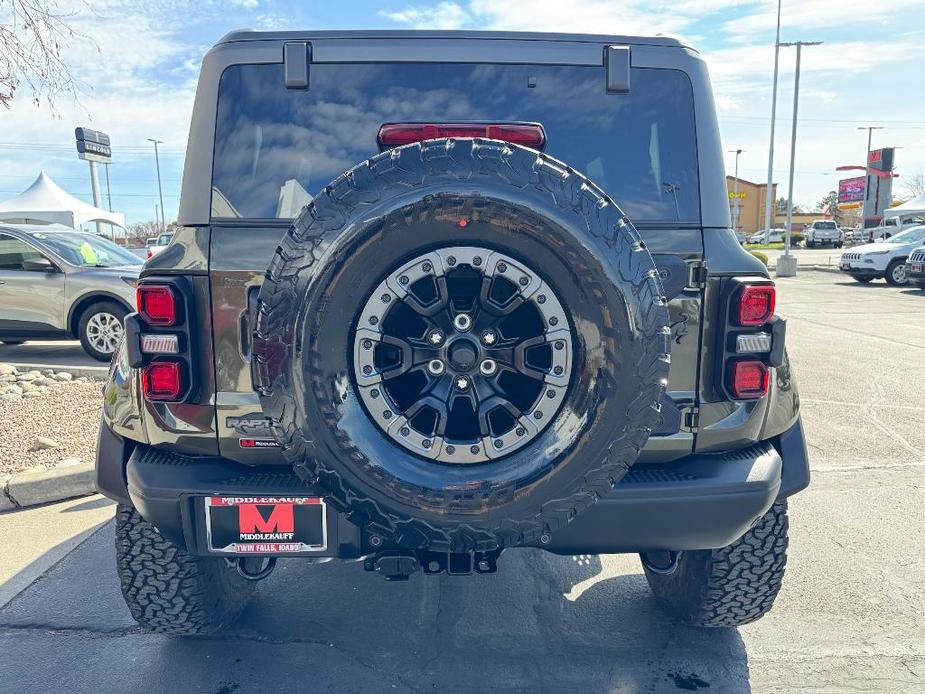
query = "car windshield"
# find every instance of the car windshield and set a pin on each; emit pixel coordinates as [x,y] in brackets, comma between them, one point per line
[87,250]
[276,147]
[908,236]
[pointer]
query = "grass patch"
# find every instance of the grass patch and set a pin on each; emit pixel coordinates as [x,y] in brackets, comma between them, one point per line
[764,246]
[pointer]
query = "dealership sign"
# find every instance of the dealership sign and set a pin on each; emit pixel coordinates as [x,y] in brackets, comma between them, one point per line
[851,189]
[92,145]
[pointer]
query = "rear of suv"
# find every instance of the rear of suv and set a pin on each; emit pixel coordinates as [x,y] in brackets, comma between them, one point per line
[519,319]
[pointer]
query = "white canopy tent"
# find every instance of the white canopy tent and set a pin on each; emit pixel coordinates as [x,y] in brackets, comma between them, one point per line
[47,203]
[910,208]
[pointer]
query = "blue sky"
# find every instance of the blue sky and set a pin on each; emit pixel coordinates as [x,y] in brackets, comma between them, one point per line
[141,75]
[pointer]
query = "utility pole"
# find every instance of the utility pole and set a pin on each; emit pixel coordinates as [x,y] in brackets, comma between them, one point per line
[786,264]
[157,217]
[735,191]
[870,133]
[112,231]
[160,190]
[770,200]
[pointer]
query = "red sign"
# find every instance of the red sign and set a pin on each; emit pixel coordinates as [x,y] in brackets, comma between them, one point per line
[851,189]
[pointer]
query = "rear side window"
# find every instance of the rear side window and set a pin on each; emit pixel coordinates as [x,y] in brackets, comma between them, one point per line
[275,148]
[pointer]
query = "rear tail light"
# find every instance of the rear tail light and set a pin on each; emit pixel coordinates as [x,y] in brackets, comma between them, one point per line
[748,379]
[162,380]
[755,304]
[526,134]
[157,304]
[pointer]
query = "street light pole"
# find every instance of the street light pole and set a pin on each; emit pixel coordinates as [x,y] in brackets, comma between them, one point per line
[770,201]
[735,191]
[870,133]
[785,266]
[160,190]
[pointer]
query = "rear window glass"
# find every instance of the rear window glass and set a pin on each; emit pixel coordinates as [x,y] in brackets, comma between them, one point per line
[275,148]
[823,225]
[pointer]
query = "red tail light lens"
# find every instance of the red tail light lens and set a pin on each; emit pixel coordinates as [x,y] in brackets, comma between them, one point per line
[162,380]
[397,134]
[748,379]
[756,304]
[156,304]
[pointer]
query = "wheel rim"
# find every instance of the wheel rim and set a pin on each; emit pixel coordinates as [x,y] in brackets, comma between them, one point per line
[899,273]
[104,330]
[463,355]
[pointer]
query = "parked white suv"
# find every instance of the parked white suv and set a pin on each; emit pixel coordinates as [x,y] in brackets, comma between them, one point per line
[767,236]
[885,258]
[891,226]
[823,232]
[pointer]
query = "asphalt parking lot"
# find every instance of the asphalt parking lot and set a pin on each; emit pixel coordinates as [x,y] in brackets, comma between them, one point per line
[851,615]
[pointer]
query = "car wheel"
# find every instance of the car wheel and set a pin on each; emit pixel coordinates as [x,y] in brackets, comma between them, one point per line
[896,273]
[486,337]
[100,329]
[725,587]
[169,591]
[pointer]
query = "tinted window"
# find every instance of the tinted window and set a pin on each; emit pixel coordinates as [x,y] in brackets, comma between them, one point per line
[13,252]
[275,147]
[86,249]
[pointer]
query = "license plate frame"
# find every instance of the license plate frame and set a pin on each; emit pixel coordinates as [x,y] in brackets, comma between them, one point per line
[265,525]
[915,267]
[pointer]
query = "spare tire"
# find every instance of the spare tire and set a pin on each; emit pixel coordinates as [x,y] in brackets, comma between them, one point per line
[462,251]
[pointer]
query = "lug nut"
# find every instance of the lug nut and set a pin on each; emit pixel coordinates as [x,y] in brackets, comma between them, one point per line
[489,337]
[488,367]
[436,367]
[462,382]
[462,322]
[435,337]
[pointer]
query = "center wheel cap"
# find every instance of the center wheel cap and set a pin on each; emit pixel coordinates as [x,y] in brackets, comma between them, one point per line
[502,407]
[463,355]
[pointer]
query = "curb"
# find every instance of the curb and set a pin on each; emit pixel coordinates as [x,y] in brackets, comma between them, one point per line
[94,372]
[31,488]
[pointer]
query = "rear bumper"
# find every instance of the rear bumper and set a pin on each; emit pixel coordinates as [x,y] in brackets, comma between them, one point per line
[699,502]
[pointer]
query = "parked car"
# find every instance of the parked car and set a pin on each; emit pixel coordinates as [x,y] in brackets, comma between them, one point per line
[915,267]
[461,345]
[766,236]
[823,232]
[884,259]
[741,236]
[59,285]
[891,226]
[160,243]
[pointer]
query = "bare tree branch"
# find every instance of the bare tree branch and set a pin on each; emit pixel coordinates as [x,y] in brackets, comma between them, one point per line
[914,184]
[33,34]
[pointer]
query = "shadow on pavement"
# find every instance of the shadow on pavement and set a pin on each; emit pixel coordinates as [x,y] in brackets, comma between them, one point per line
[541,623]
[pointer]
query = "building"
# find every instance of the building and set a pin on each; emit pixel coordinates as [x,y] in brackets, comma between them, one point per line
[752,198]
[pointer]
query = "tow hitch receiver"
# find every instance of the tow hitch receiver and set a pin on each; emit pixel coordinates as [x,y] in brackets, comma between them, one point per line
[397,565]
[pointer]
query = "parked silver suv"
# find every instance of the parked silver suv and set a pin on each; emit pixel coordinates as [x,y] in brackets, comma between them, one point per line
[56,283]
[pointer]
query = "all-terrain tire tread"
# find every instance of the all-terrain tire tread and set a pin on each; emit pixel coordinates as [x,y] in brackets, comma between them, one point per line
[170,591]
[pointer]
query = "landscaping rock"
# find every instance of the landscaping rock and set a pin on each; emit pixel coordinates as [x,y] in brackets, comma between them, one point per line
[8,370]
[43,442]
[10,388]
[44,381]
[64,376]
[10,397]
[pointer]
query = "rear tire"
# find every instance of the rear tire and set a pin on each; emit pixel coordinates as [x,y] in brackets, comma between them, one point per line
[100,329]
[730,586]
[170,591]
[896,273]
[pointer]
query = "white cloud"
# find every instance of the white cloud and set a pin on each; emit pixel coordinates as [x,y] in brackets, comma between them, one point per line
[446,16]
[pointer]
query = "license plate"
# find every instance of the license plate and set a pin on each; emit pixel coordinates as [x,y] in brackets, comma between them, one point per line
[846,266]
[266,525]
[915,267]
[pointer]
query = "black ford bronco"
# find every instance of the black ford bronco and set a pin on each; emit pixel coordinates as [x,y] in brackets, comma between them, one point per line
[519,319]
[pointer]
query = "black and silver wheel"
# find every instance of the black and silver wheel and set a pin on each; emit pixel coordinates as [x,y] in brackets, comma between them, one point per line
[463,354]
[464,342]
[100,329]
[896,273]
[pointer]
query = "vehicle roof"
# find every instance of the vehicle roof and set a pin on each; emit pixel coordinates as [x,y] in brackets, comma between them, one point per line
[253,35]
